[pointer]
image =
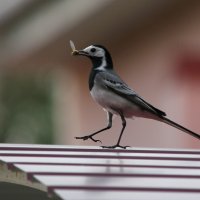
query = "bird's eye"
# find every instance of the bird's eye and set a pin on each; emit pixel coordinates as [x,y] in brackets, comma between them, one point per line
[93,50]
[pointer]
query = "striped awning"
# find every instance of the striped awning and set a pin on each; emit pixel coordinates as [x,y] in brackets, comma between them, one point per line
[93,173]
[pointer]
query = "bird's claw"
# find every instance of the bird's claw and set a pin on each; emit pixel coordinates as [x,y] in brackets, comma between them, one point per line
[115,146]
[88,137]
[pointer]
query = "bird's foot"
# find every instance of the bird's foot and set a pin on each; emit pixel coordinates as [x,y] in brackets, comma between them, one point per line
[115,146]
[88,137]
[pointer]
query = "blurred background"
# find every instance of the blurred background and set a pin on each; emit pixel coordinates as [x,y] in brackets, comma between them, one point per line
[44,95]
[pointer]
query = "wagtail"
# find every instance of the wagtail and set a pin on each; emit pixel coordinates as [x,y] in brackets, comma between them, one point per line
[115,96]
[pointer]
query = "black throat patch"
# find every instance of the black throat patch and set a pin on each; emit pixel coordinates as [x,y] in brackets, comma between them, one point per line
[96,61]
[93,73]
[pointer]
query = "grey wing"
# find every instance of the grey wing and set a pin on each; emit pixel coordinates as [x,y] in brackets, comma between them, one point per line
[113,82]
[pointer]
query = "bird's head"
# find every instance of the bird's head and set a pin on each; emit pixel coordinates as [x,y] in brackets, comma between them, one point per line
[98,54]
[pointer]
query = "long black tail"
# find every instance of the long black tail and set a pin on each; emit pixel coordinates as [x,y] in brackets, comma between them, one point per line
[171,123]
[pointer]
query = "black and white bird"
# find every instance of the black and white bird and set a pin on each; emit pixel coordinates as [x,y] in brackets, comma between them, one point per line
[114,95]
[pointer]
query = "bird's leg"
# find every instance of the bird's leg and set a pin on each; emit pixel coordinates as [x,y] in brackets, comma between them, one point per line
[110,115]
[118,142]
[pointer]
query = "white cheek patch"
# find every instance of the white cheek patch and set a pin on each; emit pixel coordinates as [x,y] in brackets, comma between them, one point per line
[100,53]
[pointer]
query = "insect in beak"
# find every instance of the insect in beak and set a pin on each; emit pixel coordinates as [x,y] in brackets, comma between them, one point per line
[74,51]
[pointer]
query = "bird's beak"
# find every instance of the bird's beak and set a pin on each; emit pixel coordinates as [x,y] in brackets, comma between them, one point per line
[79,53]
